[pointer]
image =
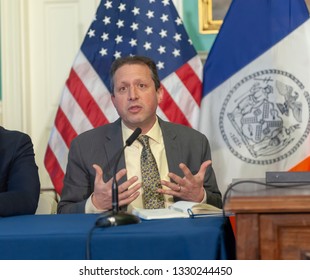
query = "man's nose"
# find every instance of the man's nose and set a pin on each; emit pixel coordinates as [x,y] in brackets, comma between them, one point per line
[132,93]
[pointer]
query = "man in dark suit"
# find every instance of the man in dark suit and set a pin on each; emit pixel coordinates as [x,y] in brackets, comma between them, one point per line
[182,154]
[19,178]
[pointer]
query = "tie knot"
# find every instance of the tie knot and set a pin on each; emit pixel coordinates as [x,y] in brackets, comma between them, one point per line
[144,140]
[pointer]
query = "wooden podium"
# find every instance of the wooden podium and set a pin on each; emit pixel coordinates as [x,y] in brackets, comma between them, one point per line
[271,222]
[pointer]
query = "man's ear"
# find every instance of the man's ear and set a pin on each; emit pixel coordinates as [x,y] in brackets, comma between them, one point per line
[160,94]
[113,99]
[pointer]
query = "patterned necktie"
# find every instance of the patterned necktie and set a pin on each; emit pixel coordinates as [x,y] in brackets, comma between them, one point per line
[150,177]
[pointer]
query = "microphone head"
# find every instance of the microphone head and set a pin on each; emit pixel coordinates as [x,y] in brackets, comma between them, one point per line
[133,136]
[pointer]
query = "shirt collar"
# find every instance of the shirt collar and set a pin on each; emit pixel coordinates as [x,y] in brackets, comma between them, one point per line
[154,133]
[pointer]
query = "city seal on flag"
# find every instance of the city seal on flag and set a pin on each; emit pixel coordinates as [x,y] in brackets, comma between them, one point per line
[265,117]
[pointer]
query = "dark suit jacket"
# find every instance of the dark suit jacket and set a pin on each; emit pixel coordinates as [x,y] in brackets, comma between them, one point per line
[102,145]
[19,179]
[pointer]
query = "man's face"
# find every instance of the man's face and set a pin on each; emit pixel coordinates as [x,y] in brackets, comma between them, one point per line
[135,97]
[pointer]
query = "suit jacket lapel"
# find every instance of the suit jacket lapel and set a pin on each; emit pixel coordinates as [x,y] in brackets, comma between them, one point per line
[172,147]
[113,146]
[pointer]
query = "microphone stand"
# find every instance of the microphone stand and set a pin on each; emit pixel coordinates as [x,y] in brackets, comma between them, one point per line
[116,217]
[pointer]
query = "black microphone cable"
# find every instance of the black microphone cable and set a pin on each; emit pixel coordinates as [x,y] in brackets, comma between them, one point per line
[88,243]
[271,185]
[88,255]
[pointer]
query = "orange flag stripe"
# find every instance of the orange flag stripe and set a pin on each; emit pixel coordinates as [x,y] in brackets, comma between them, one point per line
[302,166]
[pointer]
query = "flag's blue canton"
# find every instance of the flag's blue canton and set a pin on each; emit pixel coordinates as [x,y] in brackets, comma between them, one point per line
[144,27]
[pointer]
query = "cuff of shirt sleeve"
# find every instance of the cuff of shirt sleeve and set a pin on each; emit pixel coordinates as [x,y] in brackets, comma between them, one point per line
[90,208]
[204,200]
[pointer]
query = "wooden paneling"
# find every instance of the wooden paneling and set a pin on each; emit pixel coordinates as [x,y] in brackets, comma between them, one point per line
[284,236]
[247,232]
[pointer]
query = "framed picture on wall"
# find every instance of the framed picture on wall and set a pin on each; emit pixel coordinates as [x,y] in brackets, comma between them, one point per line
[211,15]
[308,4]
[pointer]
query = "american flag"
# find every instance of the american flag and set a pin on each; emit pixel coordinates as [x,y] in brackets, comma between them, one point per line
[120,28]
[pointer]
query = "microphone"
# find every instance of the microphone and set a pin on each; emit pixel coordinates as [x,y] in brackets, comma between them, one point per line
[133,137]
[115,217]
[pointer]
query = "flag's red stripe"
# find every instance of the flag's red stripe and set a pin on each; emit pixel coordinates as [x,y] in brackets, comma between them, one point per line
[54,170]
[191,81]
[64,127]
[172,110]
[85,100]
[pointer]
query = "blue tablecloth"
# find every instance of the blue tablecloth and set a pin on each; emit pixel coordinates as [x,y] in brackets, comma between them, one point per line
[52,237]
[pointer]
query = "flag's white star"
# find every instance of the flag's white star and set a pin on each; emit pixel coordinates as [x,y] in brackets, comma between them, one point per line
[190,41]
[108,5]
[160,65]
[122,7]
[176,52]
[165,2]
[134,26]
[91,33]
[148,30]
[117,54]
[163,33]
[147,46]
[161,49]
[150,14]
[177,37]
[103,52]
[119,39]
[164,17]
[120,23]
[152,1]
[178,21]
[136,11]
[133,42]
[106,20]
[105,36]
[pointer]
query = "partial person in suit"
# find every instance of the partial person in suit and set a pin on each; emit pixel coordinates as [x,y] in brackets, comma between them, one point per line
[182,154]
[19,178]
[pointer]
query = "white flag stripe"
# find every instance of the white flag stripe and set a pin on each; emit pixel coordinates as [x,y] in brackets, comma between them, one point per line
[95,86]
[74,113]
[183,98]
[59,148]
[197,66]
[161,114]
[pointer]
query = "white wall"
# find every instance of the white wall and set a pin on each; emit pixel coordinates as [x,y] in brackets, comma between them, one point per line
[39,40]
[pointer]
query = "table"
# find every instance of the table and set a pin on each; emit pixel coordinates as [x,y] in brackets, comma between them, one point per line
[64,237]
[271,222]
